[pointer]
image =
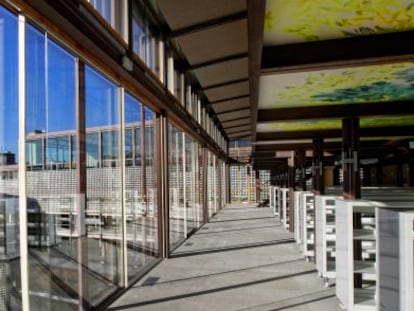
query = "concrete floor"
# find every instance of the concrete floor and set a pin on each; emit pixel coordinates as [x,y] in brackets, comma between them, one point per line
[241,260]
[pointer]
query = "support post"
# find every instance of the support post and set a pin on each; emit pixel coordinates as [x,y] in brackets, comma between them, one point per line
[204,184]
[24,255]
[301,160]
[163,187]
[291,185]
[317,167]
[411,172]
[352,179]
[317,180]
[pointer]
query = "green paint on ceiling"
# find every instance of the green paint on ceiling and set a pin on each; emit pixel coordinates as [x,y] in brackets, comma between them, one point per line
[377,83]
[293,21]
[332,124]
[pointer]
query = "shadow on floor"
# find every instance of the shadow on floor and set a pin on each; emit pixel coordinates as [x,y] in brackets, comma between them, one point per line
[210,291]
[234,230]
[231,248]
[240,219]
[294,302]
[151,281]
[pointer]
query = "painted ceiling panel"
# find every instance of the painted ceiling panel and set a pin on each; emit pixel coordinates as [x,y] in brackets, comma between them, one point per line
[315,125]
[364,84]
[295,21]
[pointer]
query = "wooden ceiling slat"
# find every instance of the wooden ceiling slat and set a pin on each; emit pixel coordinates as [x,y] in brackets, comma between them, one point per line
[234,121]
[229,99]
[234,126]
[231,110]
[218,43]
[209,24]
[227,92]
[238,129]
[244,113]
[219,60]
[209,87]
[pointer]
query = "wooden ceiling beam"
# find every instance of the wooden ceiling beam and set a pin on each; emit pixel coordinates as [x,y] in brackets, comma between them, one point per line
[256,13]
[216,22]
[219,60]
[226,83]
[337,111]
[355,51]
[364,132]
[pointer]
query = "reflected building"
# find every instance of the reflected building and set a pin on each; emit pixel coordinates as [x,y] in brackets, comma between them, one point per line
[105,181]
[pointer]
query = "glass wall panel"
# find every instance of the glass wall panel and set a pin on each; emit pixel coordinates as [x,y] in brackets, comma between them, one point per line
[176,193]
[189,189]
[113,11]
[141,219]
[145,44]
[103,197]
[105,8]
[223,184]
[210,184]
[264,183]
[58,152]
[217,184]
[201,183]
[243,184]
[9,185]
[51,182]
[151,192]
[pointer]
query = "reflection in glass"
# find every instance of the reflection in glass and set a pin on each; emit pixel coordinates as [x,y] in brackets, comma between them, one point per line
[150,178]
[141,211]
[211,174]
[9,186]
[103,202]
[105,8]
[176,191]
[51,183]
[93,149]
[145,44]
[189,189]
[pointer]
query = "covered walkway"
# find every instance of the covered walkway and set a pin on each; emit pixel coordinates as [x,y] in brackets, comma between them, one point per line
[241,260]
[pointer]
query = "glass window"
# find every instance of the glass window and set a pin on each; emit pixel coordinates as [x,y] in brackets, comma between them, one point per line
[34,154]
[103,197]
[92,149]
[178,226]
[57,153]
[110,151]
[51,202]
[73,150]
[105,8]
[149,137]
[9,185]
[129,147]
[145,44]
[140,203]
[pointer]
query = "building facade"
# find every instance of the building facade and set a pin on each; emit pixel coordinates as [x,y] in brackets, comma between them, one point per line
[99,177]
